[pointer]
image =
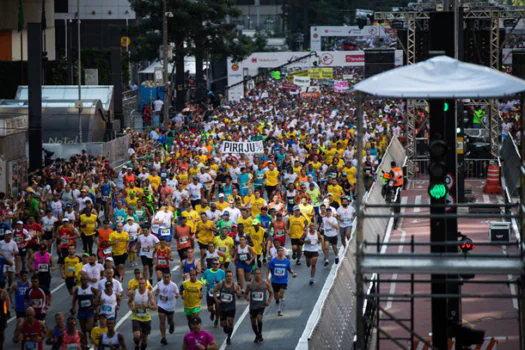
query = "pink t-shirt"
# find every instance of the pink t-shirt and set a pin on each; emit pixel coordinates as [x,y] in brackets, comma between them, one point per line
[192,339]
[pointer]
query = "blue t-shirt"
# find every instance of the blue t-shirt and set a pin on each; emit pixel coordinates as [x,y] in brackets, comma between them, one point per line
[279,269]
[4,226]
[213,278]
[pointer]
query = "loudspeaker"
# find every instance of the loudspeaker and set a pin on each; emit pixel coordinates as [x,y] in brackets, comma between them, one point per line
[518,64]
[116,80]
[34,69]
[378,61]
[442,32]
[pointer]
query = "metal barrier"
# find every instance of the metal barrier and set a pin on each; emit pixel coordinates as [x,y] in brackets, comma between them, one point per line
[332,324]
[473,168]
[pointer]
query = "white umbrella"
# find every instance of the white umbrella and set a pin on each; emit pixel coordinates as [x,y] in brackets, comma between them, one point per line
[441,77]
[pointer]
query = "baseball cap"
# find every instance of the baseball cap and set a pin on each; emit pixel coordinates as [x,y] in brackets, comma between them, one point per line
[109,258]
[330,195]
[296,207]
[196,320]
[69,206]
[255,222]
[221,195]
[329,209]
[231,201]
[19,222]
[130,218]
[8,232]
[225,214]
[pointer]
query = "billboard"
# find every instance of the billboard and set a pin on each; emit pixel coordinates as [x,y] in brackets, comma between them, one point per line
[351,38]
[257,61]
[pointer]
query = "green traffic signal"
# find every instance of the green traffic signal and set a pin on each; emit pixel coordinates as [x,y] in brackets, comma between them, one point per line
[445,107]
[437,190]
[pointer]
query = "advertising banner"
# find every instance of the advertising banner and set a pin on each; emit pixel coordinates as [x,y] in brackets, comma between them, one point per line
[341,86]
[303,82]
[242,147]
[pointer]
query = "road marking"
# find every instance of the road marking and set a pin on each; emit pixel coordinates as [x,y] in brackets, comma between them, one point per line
[417,202]
[126,316]
[394,276]
[512,286]
[486,198]
[236,326]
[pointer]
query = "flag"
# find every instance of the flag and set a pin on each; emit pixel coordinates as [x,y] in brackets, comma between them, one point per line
[20,16]
[43,22]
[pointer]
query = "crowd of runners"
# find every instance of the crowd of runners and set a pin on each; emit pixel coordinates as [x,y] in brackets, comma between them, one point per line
[239,223]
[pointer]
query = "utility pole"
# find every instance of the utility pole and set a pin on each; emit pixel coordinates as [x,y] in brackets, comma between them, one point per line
[165,61]
[80,105]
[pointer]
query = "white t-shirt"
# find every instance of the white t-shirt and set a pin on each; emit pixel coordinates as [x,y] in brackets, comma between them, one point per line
[167,295]
[93,272]
[9,249]
[147,245]
[132,230]
[346,215]
[273,252]
[157,105]
[329,230]
[194,191]
[48,223]
[117,286]
[166,218]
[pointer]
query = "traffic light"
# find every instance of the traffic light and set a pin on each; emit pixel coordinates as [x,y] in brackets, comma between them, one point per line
[466,244]
[437,190]
[437,167]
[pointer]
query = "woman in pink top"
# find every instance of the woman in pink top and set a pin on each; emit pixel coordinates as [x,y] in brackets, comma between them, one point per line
[42,264]
[197,339]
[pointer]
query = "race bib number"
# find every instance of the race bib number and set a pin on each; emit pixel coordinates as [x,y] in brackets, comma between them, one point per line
[163,298]
[141,312]
[18,239]
[279,233]
[107,309]
[257,296]
[30,345]
[85,303]
[105,198]
[165,232]
[161,262]
[43,267]
[347,220]
[195,196]
[72,346]
[64,241]
[71,269]
[279,271]
[108,250]
[245,185]
[226,298]
[155,228]
[145,250]
[36,303]
[243,257]
[222,249]
[183,240]
[119,219]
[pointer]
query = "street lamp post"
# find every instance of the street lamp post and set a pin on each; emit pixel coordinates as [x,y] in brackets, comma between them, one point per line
[79,75]
[165,60]
[127,48]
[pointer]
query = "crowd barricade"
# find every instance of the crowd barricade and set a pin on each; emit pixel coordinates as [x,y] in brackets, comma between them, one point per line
[332,324]
[510,164]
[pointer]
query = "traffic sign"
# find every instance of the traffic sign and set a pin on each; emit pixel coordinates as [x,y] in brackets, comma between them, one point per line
[449,200]
[449,181]
[125,41]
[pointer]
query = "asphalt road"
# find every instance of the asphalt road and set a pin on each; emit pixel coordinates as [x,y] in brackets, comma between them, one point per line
[279,332]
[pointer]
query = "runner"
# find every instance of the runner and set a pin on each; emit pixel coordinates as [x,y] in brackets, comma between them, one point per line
[140,304]
[211,254]
[167,293]
[66,235]
[198,339]
[134,231]
[146,248]
[9,249]
[31,330]
[224,244]
[5,306]
[108,302]
[189,264]
[119,243]
[191,292]
[67,269]
[226,293]
[259,237]
[20,289]
[88,222]
[244,257]
[102,240]
[111,340]
[58,329]
[183,237]
[163,258]
[313,240]
[205,233]
[297,224]
[48,223]
[259,294]
[98,331]
[93,271]
[211,277]
[330,226]
[21,238]
[72,338]
[39,299]
[84,297]
[42,263]
[345,216]
[279,267]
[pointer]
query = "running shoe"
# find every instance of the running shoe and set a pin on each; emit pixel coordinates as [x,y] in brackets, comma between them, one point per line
[336,261]
[172,328]
[326,263]
[163,341]
[294,256]
[298,262]
[261,340]
[279,313]
[216,323]
[311,281]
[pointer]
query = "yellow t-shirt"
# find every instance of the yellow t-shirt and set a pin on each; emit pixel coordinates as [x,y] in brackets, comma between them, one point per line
[257,239]
[297,226]
[131,202]
[96,332]
[194,172]
[337,191]
[224,246]
[246,222]
[90,222]
[78,270]
[154,181]
[134,284]
[351,174]
[119,248]
[69,265]
[199,209]
[205,232]
[272,177]
[297,170]
[192,294]
[317,165]
[256,205]
[222,206]
[329,155]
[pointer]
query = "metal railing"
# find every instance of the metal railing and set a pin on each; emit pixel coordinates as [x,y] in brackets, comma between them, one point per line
[473,168]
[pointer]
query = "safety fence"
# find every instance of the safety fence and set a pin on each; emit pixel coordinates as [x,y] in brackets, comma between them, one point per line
[510,162]
[332,324]
[472,168]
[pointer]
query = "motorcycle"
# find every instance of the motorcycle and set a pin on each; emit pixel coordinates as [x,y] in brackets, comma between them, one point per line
[388,191]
